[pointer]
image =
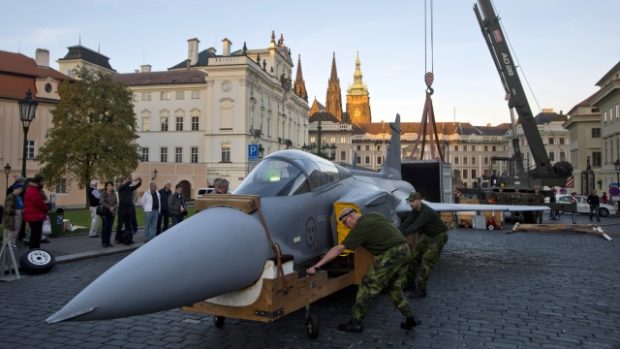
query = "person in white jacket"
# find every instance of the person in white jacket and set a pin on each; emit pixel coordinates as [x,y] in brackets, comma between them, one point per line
[151,204]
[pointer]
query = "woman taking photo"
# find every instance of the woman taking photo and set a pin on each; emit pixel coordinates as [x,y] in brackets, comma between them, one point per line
[110,203]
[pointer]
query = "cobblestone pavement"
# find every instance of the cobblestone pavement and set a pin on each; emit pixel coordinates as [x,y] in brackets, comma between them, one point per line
[489,290]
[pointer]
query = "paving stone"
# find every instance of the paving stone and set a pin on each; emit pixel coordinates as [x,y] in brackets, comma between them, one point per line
[489,290]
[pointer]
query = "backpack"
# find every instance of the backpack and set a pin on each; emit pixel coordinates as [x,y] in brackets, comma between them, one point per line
[126,237]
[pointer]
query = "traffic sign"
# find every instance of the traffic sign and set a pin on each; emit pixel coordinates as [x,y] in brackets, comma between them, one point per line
[253,152]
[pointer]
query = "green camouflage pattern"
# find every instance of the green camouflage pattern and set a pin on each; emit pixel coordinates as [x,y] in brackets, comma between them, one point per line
[388,273]
[424,256]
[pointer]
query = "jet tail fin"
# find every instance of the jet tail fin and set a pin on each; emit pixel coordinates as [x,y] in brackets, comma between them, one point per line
[391,167]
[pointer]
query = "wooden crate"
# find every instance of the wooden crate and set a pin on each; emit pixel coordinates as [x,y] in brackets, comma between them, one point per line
[446,217]
[465,219]
[280,297]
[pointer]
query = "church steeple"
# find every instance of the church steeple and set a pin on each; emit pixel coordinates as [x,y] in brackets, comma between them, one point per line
[334,95]
[358,100]
[300,85]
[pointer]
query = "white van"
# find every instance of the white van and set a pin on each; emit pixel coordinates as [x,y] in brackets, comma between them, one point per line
[204,191]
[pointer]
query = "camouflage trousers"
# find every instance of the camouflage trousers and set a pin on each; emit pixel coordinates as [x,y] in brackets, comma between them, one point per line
[388,273]
[424,256]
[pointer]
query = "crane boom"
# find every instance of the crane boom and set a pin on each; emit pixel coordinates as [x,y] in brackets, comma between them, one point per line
[543,173]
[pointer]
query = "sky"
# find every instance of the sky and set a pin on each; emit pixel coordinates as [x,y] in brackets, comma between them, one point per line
[563,47]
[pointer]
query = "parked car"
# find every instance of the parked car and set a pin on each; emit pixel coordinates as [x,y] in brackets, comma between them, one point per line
[582,204]
[204,191]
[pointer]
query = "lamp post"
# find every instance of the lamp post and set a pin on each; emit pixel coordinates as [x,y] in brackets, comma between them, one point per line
[7,171]
[27,110]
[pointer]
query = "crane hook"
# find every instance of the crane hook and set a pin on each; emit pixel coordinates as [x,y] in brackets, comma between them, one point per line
[429,77]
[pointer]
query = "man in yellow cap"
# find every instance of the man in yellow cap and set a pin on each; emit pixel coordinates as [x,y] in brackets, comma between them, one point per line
[432,235]
[388,272]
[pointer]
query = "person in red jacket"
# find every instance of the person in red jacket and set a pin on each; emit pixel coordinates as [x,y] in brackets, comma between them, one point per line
[35,210]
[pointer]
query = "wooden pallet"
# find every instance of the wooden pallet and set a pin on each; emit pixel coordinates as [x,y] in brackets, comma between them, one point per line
[282,296]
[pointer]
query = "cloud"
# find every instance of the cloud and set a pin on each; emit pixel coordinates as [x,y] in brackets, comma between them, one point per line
[51,36]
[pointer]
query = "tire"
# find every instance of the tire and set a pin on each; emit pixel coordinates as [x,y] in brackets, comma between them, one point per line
[37,261]
[603,212]
[490,227]
[218,321]
[312,326]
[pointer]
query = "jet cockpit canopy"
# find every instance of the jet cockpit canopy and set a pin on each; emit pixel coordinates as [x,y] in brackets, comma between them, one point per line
[288,172]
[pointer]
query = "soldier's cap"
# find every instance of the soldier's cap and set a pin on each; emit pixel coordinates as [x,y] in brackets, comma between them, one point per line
[344,213]
[414,196]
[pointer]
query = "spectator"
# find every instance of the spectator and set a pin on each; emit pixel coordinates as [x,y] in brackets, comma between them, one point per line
[93,198]
[110,203]
[595,203]
[150,204]
[176,205]
[221,186]
[604,198]
[35,210]
[163,218]
[12,215]
[126,207]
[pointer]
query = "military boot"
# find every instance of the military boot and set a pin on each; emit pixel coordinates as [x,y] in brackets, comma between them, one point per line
[409,323]
[418,293]
[351,326]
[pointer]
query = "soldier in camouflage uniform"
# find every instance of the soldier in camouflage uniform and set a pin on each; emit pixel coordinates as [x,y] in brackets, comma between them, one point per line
[432,235]
[388,272]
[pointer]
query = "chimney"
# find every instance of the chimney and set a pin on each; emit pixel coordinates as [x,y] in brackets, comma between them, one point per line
[146,68]
[192,50]
[226,47]
[42,57]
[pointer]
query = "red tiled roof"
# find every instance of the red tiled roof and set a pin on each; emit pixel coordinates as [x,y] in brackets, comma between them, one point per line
[15,86]
[17,63]
[18,74]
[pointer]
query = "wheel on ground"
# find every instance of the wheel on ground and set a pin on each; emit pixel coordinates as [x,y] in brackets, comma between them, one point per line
[490,227]
[312,326]
[37,261]
[603,212]
[219,321]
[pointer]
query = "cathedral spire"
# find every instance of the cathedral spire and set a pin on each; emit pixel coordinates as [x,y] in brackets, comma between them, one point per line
[358,99]
[334,75]
[300,85]
[334,95]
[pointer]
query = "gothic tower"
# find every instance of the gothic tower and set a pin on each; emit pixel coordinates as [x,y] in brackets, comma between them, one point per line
[300,85]
[358,100]
[334,96]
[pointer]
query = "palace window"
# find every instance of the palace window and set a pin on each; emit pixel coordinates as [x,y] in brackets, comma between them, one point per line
[194,155]
[178,154]
[195,123]
[145,154]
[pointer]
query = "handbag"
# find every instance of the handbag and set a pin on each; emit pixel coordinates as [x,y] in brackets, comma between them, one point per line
[101,211]
[47,227]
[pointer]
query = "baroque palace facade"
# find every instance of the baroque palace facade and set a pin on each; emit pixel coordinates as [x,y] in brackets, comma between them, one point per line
[197,119]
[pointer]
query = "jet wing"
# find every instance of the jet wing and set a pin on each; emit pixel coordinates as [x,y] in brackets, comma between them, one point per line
[438,206]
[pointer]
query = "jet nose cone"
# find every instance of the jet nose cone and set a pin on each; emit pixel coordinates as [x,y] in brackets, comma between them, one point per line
[213,252]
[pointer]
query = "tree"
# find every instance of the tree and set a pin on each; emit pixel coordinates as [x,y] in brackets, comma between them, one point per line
[93,131]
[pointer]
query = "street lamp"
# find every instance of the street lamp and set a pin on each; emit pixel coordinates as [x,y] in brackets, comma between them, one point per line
[7,171]
[27,110]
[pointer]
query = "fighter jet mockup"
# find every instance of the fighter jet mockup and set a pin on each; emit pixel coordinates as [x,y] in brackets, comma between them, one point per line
[223,249]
